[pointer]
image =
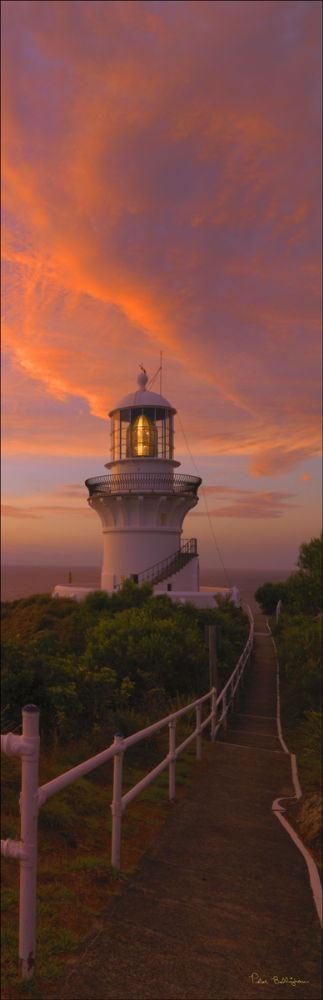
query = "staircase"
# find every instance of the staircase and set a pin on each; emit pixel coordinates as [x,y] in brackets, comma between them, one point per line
[172,564]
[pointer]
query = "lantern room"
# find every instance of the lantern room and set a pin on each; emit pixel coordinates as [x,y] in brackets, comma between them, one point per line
[142,426]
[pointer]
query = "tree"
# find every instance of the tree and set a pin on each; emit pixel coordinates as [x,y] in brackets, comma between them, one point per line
[301,593]
[310,557]
[268,596]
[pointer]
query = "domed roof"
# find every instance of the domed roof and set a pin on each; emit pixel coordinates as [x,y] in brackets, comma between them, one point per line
[142,397]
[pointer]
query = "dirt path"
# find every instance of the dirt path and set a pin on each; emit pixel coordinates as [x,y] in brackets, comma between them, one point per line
[221,905]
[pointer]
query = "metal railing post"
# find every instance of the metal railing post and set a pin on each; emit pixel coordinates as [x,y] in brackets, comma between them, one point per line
[28,836]
[116,805]
[213,710]
[225,714]
[198,734]
[172,761]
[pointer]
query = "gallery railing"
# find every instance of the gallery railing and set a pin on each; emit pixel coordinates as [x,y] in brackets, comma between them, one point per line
[142,482]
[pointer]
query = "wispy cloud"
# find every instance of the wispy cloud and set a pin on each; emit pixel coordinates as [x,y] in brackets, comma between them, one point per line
[246,503]
[7,510]
[42,510]
[162,191]
[76,490]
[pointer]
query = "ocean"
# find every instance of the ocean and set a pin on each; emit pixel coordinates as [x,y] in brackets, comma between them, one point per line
[23,581]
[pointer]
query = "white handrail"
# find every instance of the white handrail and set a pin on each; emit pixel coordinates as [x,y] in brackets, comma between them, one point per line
[32,796]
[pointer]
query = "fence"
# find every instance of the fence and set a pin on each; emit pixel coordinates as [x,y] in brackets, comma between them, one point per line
[32,797]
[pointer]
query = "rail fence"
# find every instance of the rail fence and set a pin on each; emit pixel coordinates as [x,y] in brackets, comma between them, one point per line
[33,797]
[132,482]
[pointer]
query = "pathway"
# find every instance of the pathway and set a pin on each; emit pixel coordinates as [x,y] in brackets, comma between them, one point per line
[221,904]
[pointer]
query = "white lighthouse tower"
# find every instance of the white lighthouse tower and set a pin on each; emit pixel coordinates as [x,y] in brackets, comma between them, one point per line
[143,501]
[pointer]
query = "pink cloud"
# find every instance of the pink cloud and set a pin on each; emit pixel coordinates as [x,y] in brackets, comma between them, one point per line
[247,503]
[40,510]
[7,510]
[179,215]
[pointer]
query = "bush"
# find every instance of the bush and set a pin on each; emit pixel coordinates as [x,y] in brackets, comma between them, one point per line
[126,652]
[299,641]
[268,596]
[301,593]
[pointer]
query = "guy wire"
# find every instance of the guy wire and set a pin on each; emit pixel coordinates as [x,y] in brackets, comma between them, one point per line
[206,506]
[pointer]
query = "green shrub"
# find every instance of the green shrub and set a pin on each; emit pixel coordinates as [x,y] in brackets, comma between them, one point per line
[83,664]
[268,596]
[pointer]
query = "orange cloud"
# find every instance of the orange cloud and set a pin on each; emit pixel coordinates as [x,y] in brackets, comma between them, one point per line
[18,512]
[164,216]
[41,510]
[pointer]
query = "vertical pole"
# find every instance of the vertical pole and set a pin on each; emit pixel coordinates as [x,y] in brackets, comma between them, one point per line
[225,717]
[212,657]
[213,710]
[172,760]
[28,836]
[198,734]
[116,806]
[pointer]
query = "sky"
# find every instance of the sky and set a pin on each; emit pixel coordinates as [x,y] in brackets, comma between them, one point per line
[161,190]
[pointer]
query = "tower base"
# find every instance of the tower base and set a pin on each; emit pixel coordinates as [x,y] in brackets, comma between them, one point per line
[201,599]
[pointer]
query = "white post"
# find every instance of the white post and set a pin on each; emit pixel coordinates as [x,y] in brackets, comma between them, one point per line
[213,710]
[116,806]
[225,717]
[198,736]
[28,836]
[212,656]
[172,762]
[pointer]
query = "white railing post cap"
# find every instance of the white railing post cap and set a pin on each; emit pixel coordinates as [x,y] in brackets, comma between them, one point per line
[30,722]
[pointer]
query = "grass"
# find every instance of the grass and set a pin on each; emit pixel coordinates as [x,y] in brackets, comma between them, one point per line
[75,876]
[303,739]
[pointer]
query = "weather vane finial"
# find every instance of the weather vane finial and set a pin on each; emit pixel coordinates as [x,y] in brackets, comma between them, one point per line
[142,378]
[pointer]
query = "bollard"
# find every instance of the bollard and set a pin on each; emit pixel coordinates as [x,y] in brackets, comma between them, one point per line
[172,761]
[28,836]
[116,805]
[198,735]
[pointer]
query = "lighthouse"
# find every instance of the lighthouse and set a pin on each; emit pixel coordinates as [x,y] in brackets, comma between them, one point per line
[142,501]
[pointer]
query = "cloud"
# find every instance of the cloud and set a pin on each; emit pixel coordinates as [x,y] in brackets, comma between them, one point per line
[247,503]
[18,512]
[277,460]
[41,510]
[76,490]
[162,182]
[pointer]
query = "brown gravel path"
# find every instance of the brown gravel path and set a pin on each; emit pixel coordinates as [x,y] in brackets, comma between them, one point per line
[223,895]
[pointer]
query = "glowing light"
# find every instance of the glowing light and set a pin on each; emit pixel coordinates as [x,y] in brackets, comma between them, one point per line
[143,438]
